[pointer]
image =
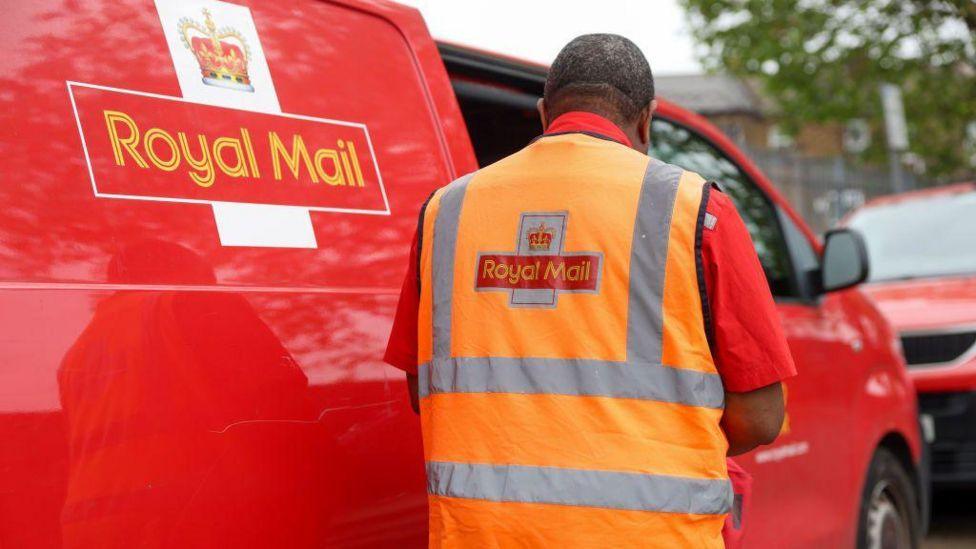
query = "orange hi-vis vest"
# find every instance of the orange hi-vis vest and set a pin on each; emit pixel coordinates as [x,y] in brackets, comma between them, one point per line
[568,394]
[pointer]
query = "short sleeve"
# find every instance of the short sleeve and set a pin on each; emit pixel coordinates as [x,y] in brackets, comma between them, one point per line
[748,342]
[401,349]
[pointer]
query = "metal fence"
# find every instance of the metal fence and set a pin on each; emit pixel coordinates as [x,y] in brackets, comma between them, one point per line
[823,190]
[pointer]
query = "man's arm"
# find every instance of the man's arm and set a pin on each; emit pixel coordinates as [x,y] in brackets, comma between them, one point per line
[754,418]
[748,343]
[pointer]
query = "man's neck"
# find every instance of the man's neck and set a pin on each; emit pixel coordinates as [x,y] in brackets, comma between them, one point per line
[590,123]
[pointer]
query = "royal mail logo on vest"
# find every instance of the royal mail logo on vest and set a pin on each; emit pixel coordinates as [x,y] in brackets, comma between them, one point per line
[540,269]
[225,142]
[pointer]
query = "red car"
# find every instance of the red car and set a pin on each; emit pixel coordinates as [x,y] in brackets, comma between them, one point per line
[207,216]
[923,277]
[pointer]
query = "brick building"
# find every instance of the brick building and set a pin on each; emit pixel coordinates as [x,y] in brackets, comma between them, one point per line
[739,109]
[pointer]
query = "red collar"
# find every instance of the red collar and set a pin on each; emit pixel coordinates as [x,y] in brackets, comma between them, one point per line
[587,122]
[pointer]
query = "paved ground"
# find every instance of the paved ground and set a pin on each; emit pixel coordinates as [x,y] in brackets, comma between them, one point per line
[953,521]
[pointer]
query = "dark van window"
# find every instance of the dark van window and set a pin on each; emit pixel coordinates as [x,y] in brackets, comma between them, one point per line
[677,145]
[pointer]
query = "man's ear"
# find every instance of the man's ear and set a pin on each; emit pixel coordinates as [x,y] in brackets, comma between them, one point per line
[540,105]
[644,123]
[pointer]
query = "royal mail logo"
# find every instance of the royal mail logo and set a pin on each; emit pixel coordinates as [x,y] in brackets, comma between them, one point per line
[152,147]
[222,53]
[261,170]
[539,270]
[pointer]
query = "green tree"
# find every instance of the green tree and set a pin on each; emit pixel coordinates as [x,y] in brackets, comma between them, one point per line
[823,60]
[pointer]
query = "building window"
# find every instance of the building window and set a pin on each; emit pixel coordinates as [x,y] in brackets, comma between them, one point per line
[778,139]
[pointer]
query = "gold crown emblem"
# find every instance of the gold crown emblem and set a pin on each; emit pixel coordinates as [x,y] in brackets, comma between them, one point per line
[540,238]
[222,53]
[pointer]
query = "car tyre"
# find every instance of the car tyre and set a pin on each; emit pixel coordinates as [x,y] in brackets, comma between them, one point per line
[889,514]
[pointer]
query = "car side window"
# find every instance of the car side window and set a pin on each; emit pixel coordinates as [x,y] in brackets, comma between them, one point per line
[806,262]
[677,145]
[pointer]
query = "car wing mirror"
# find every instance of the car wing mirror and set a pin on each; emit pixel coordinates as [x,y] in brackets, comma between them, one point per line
[845,260]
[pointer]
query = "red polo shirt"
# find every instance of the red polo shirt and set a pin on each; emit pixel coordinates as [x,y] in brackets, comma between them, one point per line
[749,346]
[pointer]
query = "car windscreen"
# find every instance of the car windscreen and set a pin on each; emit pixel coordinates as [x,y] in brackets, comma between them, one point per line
[920,238]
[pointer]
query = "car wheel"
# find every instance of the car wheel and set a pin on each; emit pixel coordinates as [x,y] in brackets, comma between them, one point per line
[889,506]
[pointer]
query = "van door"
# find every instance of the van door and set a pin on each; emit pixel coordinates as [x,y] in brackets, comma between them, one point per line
[207,212]
[803,482]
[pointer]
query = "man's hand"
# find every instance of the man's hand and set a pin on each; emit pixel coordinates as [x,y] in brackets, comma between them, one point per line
[752,419]
[414,393]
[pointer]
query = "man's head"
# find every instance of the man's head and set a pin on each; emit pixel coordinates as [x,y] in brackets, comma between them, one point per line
[605,74]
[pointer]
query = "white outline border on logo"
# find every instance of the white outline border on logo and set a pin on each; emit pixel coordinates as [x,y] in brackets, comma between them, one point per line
[556,292]
[91,172]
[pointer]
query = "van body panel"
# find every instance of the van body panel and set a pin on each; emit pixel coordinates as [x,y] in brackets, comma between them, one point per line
[158,385]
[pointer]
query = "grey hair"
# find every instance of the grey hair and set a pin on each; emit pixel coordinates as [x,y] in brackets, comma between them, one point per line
[604,68]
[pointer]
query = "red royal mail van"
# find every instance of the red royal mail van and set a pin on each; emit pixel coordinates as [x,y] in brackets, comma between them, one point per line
[924,280]
[846,466]
[207,213]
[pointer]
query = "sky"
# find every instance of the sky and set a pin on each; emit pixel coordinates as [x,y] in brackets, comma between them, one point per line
[536,29]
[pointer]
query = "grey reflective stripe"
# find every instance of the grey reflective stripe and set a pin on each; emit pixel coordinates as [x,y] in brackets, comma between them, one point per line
[642,376]
[571,377]
[648,256]
[444,244]
[579,487]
